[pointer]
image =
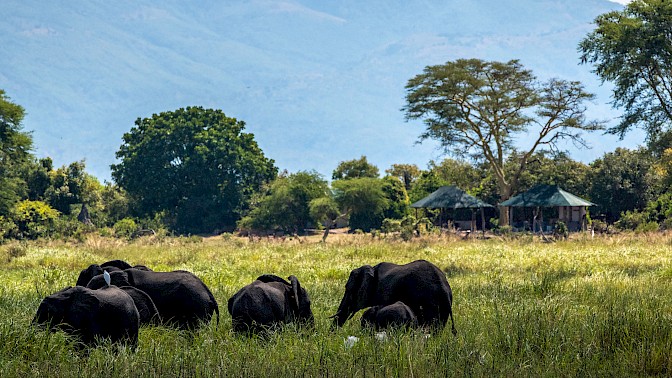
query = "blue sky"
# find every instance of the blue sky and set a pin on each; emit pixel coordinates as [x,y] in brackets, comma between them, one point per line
[316,82]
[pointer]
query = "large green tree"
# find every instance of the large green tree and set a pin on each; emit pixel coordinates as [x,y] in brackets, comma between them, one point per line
[355,168]
[15,156]
[286,203]
[632,48]
[195,165]
[621,181]
[479,109]
[364,200]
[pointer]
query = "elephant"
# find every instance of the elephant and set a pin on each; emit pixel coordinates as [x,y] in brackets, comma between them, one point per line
[269,301]
[147,310]
[108,313]
[110,266]
[421,285]
[182,299]
[397,314]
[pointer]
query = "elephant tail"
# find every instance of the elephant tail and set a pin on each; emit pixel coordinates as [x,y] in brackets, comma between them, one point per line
[217,312]
[215,305]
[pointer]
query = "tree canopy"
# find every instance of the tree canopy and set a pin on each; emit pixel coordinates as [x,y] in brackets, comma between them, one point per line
[356,168]
[632,48]
[15,146]
[477,108]
[286,203]
[195,165]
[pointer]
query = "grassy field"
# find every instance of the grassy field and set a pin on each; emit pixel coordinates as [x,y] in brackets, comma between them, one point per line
[583,307]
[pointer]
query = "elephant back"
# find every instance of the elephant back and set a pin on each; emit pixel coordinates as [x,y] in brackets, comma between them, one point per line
[147,310]
[181,298]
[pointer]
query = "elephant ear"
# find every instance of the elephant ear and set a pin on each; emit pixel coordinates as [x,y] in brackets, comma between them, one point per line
[367,286]
[266,278]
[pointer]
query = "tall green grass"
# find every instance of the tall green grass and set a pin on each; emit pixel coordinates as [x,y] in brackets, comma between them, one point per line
[581,307]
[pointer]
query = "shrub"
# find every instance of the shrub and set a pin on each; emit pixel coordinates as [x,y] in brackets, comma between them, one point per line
[630,220]
[125,228]
[7,227]
[561,230]
[647,227]
[391,225]
[33,219]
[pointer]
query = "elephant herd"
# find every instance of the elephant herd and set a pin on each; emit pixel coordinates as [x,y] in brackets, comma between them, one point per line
[112,300]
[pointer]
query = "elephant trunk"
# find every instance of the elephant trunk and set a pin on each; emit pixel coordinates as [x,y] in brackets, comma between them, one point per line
[345,312]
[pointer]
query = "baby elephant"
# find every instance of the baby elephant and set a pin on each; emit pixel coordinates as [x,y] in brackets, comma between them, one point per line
[269,301]
[397,314]
[91,314]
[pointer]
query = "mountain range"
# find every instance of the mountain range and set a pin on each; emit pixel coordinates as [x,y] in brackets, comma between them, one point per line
[317,82]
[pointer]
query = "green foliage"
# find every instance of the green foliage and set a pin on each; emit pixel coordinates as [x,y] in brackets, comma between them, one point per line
[631,48]
[459,173]
[660,210]
[323,209]
[33,219]
[406,173]
[195,164]
[621,181]
[631,220]
[286,204]
[391,225]
[397,198]
[15,157]
[7,227]
[125,228]
[477,108]
[364,200]
[561,229]
[67,187]
[356,168]
[114,204]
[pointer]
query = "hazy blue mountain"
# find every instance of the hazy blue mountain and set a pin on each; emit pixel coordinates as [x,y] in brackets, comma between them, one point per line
[317,82]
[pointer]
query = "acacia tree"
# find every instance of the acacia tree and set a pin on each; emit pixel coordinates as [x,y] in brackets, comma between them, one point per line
[477,108]
[195,165]
[633,49]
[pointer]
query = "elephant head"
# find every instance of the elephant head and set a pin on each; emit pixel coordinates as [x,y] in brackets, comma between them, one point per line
[117,278]
[359,293]
[67,309]
[94,269]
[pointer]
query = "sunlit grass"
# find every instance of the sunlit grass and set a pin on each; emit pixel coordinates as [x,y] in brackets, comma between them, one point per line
[581,307]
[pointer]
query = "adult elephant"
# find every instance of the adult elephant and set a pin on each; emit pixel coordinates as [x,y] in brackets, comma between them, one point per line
[419,284]
[269,301]
[108,313]
[147,310]
[397,314]
[110,266]
[181,298]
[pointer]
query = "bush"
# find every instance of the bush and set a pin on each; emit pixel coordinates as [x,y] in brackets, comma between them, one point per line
[647,227]
[599,225]
[7,227]
[391,225]
[33,219]
[631,220]
[125,228]
[561,230]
